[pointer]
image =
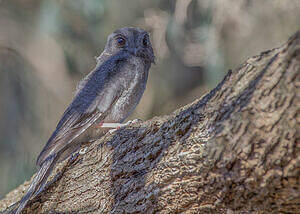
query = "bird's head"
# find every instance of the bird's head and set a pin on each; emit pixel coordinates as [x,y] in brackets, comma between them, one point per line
[135,41]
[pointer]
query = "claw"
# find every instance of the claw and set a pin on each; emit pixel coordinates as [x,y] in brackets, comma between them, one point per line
[116,126]
[133,121]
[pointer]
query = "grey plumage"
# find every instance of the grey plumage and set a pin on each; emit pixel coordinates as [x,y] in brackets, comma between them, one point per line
[108,94]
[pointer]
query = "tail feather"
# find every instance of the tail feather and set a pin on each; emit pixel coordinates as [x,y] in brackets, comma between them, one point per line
[37,184]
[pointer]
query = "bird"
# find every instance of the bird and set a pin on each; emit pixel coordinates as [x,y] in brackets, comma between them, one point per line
[103,99]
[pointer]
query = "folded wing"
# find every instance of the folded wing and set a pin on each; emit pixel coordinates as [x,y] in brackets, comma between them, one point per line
[84,111]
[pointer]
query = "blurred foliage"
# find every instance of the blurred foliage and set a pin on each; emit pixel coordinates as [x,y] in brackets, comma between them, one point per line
[46,47]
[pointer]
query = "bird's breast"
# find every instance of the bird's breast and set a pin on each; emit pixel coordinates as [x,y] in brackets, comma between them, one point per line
[133,82]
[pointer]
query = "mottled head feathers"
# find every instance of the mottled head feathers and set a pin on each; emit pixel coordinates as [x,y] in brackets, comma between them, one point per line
[132,40]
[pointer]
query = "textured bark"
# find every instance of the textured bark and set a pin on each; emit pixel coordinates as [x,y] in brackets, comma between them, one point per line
[234,150]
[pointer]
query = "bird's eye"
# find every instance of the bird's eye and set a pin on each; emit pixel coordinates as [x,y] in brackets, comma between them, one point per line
[121,41]
[145,40]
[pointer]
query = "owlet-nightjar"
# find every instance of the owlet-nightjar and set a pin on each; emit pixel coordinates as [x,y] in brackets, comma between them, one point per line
[108,94]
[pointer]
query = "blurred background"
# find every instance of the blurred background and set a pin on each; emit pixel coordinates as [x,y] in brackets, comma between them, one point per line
[46,47]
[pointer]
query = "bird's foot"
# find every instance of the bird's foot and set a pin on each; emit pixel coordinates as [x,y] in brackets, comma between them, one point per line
[115,126]
[130,122]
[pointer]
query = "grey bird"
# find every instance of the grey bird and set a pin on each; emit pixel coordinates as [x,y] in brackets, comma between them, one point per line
[107,95]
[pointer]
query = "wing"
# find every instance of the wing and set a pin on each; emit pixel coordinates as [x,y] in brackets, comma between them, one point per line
[84,111]
[71,128]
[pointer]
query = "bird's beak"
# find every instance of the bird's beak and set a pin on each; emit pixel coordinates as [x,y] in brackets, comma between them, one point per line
[144,53]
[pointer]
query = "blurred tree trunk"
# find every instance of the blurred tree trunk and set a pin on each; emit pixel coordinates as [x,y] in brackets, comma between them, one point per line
[234,150]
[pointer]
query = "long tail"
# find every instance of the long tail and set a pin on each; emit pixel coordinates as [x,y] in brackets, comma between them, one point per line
[37,184]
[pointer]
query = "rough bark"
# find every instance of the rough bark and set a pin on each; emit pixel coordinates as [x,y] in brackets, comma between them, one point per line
[235,150]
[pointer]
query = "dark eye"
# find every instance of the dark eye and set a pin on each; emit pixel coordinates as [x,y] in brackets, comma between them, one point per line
[145,40]
[121,41]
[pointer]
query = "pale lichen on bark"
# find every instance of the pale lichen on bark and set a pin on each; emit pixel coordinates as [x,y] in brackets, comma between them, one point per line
[234,150]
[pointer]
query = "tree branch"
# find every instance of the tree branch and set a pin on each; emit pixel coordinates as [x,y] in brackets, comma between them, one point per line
[235,149]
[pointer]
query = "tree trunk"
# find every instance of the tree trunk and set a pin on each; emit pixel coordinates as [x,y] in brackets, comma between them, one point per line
[236,150]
